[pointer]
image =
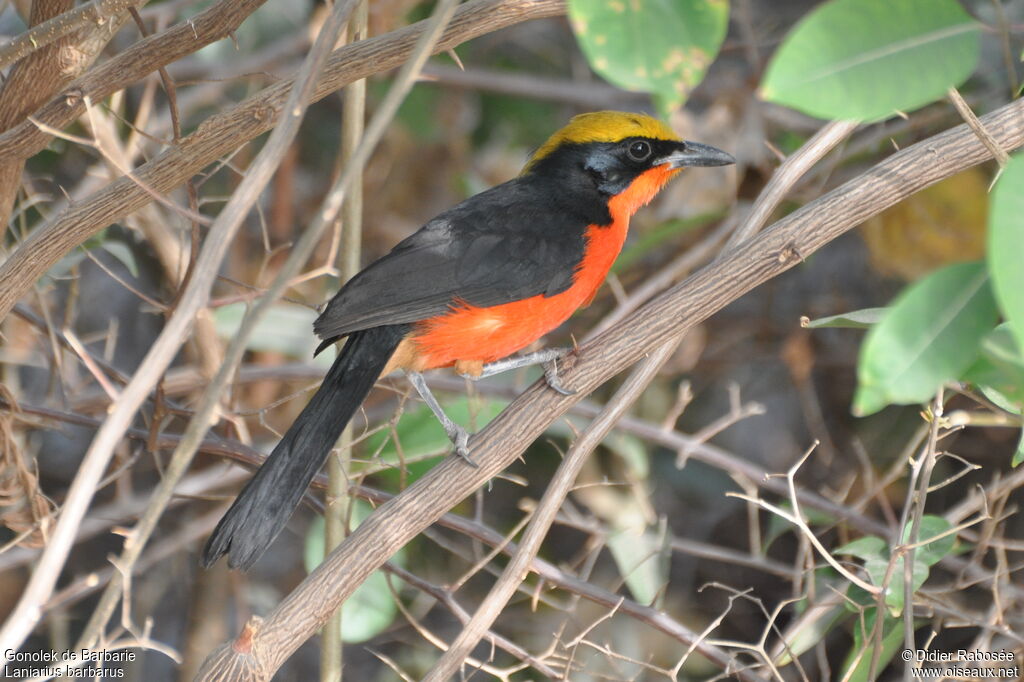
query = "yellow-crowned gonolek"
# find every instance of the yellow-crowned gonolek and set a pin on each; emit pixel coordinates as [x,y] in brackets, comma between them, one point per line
[474,285]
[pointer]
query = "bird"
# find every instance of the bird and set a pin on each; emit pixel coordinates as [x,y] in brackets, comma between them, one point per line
[469,289]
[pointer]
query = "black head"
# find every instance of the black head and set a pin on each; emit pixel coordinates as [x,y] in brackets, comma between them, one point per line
[613,148]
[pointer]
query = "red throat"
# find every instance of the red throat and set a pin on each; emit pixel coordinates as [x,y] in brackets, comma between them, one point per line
[640,192]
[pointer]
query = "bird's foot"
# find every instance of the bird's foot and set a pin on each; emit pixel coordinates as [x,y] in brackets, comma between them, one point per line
[460,439]
[551,375]
[456,434]
[547,358]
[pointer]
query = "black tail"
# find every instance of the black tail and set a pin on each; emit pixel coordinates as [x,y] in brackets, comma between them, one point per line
[266,502]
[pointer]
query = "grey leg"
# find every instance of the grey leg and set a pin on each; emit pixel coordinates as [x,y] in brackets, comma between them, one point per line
[456,434]
[547,357]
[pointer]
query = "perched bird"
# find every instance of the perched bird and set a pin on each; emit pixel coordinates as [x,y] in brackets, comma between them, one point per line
[474,285]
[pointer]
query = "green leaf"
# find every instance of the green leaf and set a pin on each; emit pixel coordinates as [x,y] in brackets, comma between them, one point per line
[815,620]
[857,319]
[866,59]
[285,328]
[876,558]
[929,336]
[998,399]
[124,255]
[65,265]
[999,370]
[877,567]
[371,608]
[420,433]
[1013,407]
[862,652]
[659,46]
[933,552]
[867,547]
[639,558]
[857,598]
[1006,245]
[632,451]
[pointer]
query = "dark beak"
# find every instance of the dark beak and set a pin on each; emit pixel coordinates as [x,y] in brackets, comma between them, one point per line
[696,154]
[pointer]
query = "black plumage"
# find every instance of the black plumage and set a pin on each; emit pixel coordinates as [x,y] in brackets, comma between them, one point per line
[267,501]
[523,238]
[517,240]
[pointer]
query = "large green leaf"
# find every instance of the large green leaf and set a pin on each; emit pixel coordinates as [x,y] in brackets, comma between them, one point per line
[1006,245]
[866,59]
[929,336]
[999,370]
[877,558]
[999,374]
[659,46]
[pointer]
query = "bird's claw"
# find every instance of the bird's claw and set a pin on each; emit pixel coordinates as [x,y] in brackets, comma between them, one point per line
[551,376]
[460,439]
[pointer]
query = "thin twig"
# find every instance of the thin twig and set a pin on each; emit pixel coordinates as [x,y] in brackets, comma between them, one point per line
[786,176]
[695,256]
[913,512]
[587,95]
[444,596]
[338,507]
[802,526]
[971,119]
[545,513]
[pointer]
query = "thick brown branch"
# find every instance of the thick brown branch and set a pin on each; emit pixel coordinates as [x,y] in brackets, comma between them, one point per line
[776,250]
[32,80]
[224,132]
[47,32]
[29,84]
[135,63]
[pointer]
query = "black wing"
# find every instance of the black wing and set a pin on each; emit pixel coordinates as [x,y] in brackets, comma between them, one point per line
[514,241]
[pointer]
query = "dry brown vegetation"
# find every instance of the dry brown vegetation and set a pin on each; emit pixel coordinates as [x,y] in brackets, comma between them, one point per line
[676,518]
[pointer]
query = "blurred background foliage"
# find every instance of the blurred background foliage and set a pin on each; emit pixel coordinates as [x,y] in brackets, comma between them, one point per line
[650,518]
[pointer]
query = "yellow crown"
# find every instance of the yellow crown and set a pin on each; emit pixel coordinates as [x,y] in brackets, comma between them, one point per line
[604,126]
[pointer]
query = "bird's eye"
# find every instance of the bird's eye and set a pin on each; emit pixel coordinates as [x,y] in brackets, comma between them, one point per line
[639,150]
